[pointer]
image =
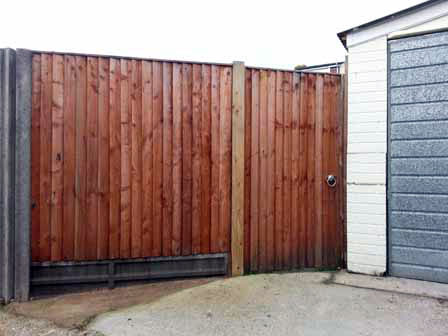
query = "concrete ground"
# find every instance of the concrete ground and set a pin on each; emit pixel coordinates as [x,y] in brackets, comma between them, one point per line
[281,304]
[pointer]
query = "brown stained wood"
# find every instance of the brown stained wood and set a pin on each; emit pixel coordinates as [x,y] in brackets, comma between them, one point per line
[125,202]
[319,173]
[271,172]
[303,173]
[326,154]
[196,160]
[311,163]
[247,167]
[279,141]
[176,241]
[255,171]
[167,159]
[136,159]
[187,120]
[215,145]
[68,232]
[238,168]
[81,159]
[287,110]
[295,159]
[103,159]
[114,158]
[57,160]
[147,159]
[333,169]
[92,158]
[225,164]
[157,124]
[205,158]
[263,260]
[35,157]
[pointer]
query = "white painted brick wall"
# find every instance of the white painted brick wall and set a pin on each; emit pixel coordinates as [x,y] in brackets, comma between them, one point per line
[366,161]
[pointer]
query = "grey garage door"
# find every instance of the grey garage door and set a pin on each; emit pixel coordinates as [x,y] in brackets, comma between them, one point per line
[418,157]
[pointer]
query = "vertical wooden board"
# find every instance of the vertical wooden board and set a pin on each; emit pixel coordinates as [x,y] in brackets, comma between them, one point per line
[311,137]
[35,157]
[279,135]
[176,242]
[57,163]
[247,168]
[215,144]
[287,110]
[45,157]
[157,133]
[69,155]
[92,157]
[187,120]
[167,159]
[263,266]
[326,153]
[196,160]
[205,158]
[136,159]
[303,173]
[225,165]
[295,159]
[81,159]
[333,169]
[147,159]
[114,158]
[125,202]
[103,159]
[255,171]
[319,173]
[271,171]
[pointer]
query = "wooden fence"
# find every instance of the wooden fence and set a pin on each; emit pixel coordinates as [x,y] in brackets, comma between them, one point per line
[129,158]
[293,140]
[133,158]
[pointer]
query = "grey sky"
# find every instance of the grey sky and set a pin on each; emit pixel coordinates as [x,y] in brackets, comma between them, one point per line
[275,33]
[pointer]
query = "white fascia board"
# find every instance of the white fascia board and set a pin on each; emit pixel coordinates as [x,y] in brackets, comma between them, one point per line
[401,23]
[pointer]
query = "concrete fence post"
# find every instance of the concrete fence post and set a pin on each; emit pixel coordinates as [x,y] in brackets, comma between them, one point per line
[23,174]
[7,175]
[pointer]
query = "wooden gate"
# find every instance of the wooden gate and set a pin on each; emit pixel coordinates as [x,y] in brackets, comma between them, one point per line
[131,159]
[293,219]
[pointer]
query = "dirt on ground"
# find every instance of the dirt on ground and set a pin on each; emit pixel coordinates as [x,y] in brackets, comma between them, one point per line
[68,315]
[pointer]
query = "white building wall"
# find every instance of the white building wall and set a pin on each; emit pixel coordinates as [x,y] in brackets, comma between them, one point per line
[366,161]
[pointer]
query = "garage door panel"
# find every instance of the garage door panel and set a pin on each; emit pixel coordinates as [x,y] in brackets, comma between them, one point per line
[420,184]
[419,148]
[419,239]
[419,94]
[421,221]
[432,203]
[417,256]
[427,75]
[419,272]
[425,41]
[418,157]
[419,130]
[420,57]
[419,167]
[419,112]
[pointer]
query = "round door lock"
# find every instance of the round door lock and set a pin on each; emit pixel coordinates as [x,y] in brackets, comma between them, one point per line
[331,181]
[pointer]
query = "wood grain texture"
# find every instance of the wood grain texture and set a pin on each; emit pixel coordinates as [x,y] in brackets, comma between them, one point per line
[238,168]
[279,153]
[68,232]
[35,157]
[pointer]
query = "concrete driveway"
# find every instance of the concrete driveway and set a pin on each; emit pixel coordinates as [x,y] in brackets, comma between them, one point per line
[289,304]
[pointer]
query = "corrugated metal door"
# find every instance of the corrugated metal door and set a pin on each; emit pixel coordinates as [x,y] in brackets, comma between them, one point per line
[418,157]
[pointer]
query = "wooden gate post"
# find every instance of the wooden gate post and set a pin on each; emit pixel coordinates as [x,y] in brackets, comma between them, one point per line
[238,136]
